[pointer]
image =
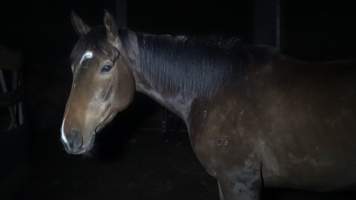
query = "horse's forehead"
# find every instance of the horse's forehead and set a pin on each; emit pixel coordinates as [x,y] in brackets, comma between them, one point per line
[87,55]
[102,51]
[85,45]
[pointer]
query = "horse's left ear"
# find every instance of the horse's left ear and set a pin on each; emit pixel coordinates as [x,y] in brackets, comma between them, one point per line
[79,26]
[111,30]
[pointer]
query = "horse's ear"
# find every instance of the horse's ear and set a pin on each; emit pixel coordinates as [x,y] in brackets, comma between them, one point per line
[111,30]
[79,26]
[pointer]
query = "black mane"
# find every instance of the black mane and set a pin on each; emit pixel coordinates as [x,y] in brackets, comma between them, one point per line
[191,65]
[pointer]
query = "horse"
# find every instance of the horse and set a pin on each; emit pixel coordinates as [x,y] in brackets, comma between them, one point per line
[255,117]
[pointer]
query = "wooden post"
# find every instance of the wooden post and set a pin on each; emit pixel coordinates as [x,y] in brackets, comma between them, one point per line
[121,13]
[267,22]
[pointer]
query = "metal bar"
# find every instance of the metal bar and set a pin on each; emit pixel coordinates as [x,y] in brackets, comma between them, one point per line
[21,117]
[2,82]
[14,87]
[121,13]
[10,108]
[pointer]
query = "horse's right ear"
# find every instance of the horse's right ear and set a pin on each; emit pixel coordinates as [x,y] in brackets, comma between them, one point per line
[79,26]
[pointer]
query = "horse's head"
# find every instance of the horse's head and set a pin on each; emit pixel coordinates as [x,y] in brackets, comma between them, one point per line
[102,83]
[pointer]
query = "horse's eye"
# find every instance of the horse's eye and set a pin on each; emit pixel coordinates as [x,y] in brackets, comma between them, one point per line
[106,68]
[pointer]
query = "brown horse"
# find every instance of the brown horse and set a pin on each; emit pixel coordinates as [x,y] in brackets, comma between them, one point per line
[254,116]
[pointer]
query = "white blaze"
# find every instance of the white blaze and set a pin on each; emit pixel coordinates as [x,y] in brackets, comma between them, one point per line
[63,136]
[86,55]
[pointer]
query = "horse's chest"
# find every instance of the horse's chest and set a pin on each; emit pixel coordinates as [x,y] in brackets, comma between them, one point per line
[223,137]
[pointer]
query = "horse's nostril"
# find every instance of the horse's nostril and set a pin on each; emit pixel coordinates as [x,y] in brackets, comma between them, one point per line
[75,139]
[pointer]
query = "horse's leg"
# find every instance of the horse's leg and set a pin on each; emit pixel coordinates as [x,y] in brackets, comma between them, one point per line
[240,187]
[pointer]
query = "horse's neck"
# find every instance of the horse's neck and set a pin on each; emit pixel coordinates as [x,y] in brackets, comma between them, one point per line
[146,84]
[152,79]
[174,100]
[175,71]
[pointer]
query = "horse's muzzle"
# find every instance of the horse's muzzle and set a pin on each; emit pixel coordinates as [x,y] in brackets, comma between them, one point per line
[74,142]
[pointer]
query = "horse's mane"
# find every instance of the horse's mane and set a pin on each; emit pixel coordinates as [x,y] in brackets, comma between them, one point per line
[192,65]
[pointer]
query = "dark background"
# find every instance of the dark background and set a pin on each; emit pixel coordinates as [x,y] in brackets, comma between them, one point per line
[145,152]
